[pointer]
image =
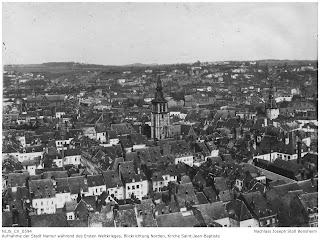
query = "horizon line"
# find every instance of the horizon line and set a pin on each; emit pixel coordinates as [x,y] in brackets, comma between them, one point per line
[119,65]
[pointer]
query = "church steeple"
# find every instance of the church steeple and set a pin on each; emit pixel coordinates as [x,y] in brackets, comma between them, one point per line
[272,110]
[159,94]
[159,114]
[159,84]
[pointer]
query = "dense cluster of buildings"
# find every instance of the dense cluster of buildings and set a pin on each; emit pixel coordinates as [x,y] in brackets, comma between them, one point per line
[92,159]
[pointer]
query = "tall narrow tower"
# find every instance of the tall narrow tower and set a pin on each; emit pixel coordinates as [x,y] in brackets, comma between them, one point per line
[159,114]
[18,101]
[272,110]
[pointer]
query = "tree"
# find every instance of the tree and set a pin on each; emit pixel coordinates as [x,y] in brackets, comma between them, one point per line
[197,63]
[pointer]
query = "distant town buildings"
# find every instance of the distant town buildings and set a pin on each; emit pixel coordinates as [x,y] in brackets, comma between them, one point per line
[197,145]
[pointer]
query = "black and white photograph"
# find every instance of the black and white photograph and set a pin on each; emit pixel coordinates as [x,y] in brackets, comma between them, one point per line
[159,114]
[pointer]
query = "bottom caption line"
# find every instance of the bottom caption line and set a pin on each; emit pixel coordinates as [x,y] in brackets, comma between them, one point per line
[113,236]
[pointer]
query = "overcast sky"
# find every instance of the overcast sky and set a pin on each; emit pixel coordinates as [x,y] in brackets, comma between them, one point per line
[124,33]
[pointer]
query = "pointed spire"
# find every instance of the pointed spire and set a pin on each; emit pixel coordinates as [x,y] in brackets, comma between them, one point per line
[159,94]
[159,84]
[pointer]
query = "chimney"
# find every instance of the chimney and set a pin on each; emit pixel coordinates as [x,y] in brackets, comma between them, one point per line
[299,152]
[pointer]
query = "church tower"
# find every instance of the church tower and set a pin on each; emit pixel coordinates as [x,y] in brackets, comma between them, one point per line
[18,101]
[159,114]
[272,110]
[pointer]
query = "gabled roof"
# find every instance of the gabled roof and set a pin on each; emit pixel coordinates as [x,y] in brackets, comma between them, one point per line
[55,174]
[83,209]
[201,198]
[180,147]
[215,211]
[177,219]
[91,202]
[17,196]
[126,167]
[225,196]
[72,152]
[128,173]
[276,183]
[62,185]
[220,184]
[49,220]
[42,188]
[286,165]
[258,187]
[138,139]
[100,128]
[70,206]
[45,97]
[122,128]
[238,210]
[112,134]
[7,219]
[186,194]
[185,130]
[95,180]
[77,184]
[132,156]
[257,203]
[170,169]
[210,194]
[111,179]
[126,143]
[309,201]
[308,186]
[203,148]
